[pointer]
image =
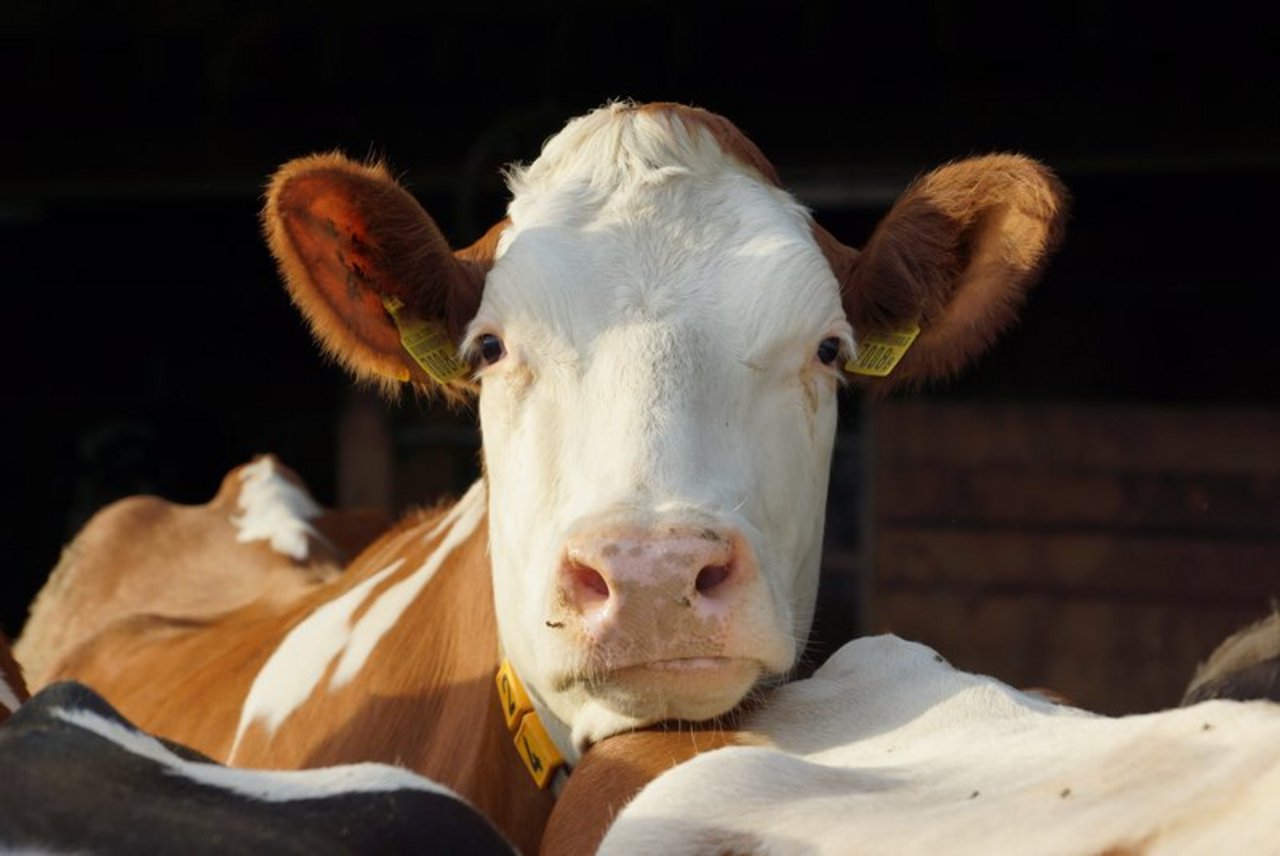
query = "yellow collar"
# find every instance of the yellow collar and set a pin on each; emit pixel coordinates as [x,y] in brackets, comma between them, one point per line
[541,757]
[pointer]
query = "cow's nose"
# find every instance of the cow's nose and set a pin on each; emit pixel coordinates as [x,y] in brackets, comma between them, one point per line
[694,567]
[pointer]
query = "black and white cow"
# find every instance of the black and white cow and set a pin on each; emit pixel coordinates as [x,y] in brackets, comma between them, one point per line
[78,777]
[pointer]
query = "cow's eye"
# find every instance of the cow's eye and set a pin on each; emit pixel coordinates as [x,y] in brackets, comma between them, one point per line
[491,349]
[828,350]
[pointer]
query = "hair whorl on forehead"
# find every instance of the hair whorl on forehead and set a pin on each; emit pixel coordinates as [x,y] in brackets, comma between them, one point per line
[624,142]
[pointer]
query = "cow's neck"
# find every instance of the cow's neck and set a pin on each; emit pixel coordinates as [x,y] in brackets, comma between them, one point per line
[413,681]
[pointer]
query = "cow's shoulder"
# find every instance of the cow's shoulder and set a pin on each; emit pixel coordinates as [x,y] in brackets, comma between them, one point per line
[262,538]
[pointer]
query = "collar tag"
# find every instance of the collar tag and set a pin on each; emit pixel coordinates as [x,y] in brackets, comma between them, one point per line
[427,342]
[536,748]
[878,353]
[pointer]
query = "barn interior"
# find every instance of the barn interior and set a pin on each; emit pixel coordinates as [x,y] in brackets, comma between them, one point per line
[1090,508]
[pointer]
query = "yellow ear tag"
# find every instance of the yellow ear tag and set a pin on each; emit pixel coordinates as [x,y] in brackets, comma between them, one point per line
[536,748]
[880,352]
[427,342]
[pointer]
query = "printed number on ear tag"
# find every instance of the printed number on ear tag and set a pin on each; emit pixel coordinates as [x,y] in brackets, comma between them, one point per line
[879,353]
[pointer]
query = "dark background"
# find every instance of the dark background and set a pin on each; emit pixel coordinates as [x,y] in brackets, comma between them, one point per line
[151,348]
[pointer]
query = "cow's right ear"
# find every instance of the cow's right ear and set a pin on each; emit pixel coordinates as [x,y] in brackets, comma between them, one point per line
[371,272]
[946,271]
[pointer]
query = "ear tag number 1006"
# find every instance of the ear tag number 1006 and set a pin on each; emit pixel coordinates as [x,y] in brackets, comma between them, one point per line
[879,353]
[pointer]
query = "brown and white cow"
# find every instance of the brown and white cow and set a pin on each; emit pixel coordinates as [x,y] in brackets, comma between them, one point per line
[262,538]
[657,332]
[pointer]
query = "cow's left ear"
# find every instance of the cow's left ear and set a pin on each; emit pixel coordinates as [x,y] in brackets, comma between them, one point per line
[372,273]
[953,257]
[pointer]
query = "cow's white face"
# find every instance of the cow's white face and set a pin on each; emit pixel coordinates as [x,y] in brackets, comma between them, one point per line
[658,339]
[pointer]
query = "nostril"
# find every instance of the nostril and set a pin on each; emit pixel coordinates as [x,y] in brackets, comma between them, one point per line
[589,583]
[710,578]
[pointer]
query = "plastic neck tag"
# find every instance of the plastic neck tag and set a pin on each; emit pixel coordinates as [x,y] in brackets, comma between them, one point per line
[878,353]
[536,748]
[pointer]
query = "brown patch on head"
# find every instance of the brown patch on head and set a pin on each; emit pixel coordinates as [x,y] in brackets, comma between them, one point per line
[726,134]
[347,237]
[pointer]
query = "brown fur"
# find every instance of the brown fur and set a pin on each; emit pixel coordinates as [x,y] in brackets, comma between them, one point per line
[11,677]
[146,555]
[956,254]
[425,699]
[612,773]
[346,236]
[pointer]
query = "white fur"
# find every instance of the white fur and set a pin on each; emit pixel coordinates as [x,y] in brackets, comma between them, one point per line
[275,510]
[661,306]
[263,785]
[887,749]
[391,604]
[294,671]
[298,665]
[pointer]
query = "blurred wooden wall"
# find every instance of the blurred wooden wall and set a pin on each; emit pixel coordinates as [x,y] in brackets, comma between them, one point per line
[1101,551]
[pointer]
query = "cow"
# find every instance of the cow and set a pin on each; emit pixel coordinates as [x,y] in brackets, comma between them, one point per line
[1245,666]
[80,778]
[657,333]
[889,749]
[262,538]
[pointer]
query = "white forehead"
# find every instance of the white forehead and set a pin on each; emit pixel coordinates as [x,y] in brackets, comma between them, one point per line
[634,216]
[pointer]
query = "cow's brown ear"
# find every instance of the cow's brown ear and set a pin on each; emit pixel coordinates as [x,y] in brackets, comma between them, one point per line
[371,272]
[954,257]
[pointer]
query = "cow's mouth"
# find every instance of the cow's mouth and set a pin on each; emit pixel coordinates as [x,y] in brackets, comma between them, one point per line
[683,688]
[686,663]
